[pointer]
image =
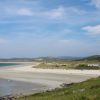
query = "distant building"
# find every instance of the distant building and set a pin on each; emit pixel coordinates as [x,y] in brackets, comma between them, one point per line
[94,65]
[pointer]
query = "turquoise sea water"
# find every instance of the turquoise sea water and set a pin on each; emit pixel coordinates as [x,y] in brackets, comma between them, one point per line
[7,64]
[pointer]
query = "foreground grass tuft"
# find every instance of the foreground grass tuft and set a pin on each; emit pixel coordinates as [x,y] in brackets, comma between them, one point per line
[88,90]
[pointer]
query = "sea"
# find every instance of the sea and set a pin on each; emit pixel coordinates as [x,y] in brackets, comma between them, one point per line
[7,64]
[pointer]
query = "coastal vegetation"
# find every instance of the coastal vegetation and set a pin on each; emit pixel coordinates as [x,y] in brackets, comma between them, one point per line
[87,90]
[85,66]
[70,63]
[94,65]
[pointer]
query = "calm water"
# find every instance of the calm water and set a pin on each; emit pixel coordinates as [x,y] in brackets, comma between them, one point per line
[7,64]
[10,87]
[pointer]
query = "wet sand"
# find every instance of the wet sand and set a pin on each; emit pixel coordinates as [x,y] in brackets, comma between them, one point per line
[11,87]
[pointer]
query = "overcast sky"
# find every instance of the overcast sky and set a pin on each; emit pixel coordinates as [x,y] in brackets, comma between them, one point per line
[32,28]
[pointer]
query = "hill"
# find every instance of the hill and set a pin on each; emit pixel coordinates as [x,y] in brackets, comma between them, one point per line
[94,57]
[50,59]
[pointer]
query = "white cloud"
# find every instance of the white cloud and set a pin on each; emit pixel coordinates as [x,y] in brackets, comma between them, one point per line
[75,10]
[96,3]
[17,11]
[56,13]
[24,12]
[62,12]
[93,30]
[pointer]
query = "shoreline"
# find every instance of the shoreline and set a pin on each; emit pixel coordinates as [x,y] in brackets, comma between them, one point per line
[15,62]
[18,65]
[30,68]
[49,78]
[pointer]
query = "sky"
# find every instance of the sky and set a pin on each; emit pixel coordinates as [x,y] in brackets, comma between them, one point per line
[36,28]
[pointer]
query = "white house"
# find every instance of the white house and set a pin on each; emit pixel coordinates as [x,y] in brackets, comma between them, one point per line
[94,65]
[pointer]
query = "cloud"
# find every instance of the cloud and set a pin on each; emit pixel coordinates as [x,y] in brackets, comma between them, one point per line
[56,13]
[14,11]
[24,12]
[93,30]
[96,3]
[63,12]
[11,11]
[75,10]
[36,12]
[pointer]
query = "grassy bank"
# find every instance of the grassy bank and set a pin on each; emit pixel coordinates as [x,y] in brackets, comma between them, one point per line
[68,65]
[88,90]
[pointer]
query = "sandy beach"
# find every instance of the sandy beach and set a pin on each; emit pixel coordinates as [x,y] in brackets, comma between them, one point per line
[56,71]
[44,78]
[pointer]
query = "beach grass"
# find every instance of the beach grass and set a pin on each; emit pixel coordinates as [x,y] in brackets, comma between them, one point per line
[67,65]
[88,90]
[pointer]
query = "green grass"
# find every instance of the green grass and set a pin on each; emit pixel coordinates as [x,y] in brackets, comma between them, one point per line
[53,65]
[88,90]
